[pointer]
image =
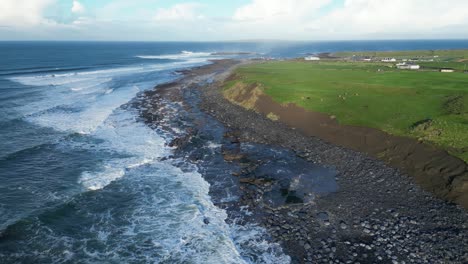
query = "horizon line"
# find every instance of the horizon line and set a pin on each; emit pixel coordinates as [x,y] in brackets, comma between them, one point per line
[240,40]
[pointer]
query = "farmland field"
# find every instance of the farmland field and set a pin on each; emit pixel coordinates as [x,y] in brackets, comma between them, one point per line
[442,54]
[426,105]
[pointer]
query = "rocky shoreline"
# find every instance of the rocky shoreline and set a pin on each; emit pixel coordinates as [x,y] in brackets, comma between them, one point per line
[376,214]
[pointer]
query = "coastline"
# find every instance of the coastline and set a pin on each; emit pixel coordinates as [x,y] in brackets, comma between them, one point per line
[377,214]
[433,168]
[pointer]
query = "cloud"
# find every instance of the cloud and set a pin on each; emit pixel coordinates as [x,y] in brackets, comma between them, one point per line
[393,17]
[77,7]
[354,19]
[124,10]
[278,9]
[184,11]
[257,19]
[274,19]
[23,13]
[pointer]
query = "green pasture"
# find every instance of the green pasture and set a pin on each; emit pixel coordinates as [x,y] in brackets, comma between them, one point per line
[437,54]
[422,104]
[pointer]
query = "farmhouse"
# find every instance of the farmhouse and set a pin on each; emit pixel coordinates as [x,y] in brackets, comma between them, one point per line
[312,58]
[408,66]
[447,70]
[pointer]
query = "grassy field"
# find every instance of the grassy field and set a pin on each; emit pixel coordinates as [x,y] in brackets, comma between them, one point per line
[441,54]
[420,104]
[460,66]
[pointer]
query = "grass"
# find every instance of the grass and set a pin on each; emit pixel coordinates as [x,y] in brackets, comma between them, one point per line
[456,59]
[460,66]
[443,54]
[419,104]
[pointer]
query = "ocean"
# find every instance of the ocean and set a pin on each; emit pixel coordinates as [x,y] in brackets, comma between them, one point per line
[83,179]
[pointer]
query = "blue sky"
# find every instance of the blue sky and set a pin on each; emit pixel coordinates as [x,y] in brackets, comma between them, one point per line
[232,20]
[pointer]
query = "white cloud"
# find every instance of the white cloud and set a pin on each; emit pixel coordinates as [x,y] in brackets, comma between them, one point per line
[394,17]
[23,13]
[277,19]
[305,19]
[184,11]
[278,9]
[258,19]
[83,21]
[77,7]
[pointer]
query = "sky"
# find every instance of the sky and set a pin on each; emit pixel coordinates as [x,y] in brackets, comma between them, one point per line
[218,20]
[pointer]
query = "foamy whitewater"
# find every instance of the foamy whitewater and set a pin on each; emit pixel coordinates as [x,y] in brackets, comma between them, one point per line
[125,205]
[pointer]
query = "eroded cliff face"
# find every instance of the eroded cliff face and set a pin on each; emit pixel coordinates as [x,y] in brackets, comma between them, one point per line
[245,95]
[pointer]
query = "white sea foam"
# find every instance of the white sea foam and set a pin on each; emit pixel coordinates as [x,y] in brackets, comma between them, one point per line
[96,92]
[165,222]
[92,76]
[122,134]
[213,145]
[97,180]
[184,55]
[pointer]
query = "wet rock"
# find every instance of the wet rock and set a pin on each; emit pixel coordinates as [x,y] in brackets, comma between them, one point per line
[180,141]
[343,225]
[232,156]
[323,216]
[256,182]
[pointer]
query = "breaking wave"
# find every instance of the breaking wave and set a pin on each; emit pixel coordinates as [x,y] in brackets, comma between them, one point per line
[184,55]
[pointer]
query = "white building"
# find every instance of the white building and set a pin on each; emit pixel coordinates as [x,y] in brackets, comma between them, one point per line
[406,66]
[447,70]
[312,58]
[389,60]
